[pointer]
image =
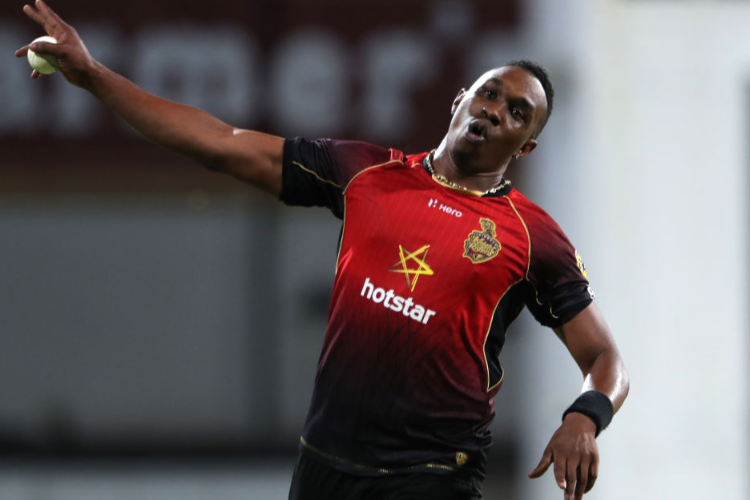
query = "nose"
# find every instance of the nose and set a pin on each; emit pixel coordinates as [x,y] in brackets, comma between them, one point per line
[492,116]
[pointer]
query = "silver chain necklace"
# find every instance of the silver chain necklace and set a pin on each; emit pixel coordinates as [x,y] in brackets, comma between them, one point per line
[505,183]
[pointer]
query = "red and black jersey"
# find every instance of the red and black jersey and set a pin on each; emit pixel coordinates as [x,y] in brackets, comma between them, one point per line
[428,279]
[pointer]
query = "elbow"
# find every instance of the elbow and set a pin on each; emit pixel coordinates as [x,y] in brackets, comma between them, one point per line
[216,159]
[218,153]
[609,375]
[622,387]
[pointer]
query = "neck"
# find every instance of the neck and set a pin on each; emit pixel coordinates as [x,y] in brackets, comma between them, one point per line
[446,165]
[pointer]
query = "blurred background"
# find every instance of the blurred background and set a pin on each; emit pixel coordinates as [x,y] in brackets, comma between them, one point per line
[160,324]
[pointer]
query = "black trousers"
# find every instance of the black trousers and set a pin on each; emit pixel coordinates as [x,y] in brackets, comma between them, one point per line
[314,480]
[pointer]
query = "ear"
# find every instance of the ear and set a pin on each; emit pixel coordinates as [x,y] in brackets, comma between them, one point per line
[457,100]
[527,148]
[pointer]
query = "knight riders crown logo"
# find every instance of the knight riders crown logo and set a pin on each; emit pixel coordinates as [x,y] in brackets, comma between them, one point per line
[482,246]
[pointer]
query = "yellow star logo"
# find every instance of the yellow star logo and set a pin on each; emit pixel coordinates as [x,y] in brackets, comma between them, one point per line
[412,274]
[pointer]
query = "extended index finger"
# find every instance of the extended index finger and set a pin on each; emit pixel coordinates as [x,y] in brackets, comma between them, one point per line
[22,51]
[34,14]
[47,11]
[45,17]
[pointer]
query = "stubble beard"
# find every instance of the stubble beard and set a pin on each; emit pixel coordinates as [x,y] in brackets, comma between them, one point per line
[465,161]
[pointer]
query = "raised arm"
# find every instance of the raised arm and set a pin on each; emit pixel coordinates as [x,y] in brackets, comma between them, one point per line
[573,447]
[250,156]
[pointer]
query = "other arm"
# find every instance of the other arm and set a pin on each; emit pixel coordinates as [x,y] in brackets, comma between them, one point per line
[250,156]
[573,447]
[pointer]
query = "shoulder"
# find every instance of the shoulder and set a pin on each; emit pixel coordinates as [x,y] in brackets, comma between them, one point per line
[549,245]
[362,153]
[336,160]
[537,221]
[558,277]
[394,161]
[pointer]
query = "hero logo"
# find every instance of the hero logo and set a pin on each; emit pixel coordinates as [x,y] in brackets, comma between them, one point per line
[433,203]
[396,303]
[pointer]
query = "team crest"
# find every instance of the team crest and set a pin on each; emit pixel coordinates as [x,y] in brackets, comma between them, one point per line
[461,457]
[482,246]
[581,265]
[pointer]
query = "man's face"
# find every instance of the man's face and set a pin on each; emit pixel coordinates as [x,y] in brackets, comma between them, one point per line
[495,119]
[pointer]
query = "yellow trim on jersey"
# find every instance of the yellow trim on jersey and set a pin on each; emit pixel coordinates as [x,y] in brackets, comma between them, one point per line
[343,219]
[528,266]
[341,241]
[369,168]
[486,337]
[315,174]
[367,468]
[343,226]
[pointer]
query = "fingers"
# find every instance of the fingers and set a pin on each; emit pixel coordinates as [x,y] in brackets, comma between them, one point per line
[23,51]
[593,473]
[544,464]
[559,471]
[46,48]
[583,480]
[46,17]
[45,10]
[33,14]
[35,74]
[580,479]
[571,471]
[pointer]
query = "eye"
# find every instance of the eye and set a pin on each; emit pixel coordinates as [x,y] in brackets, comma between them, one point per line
[517,113]
[488,93]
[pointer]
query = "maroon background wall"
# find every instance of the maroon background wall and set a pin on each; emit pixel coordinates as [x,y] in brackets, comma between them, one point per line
[380,71]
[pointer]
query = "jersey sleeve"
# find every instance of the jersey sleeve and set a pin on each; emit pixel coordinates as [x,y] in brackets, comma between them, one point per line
[559,280]
[316,172]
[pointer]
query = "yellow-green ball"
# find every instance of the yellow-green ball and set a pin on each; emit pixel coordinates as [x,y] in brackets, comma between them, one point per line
[43,63]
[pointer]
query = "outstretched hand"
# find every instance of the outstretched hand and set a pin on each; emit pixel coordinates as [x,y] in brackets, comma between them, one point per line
[575,454]
[72,56]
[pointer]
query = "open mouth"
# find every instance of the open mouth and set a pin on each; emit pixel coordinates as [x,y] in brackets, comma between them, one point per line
[477,131]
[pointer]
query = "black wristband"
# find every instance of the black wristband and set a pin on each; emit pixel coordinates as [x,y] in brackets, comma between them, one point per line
[595,405]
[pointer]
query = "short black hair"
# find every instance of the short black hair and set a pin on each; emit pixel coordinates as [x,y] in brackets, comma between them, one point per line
[540,74]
